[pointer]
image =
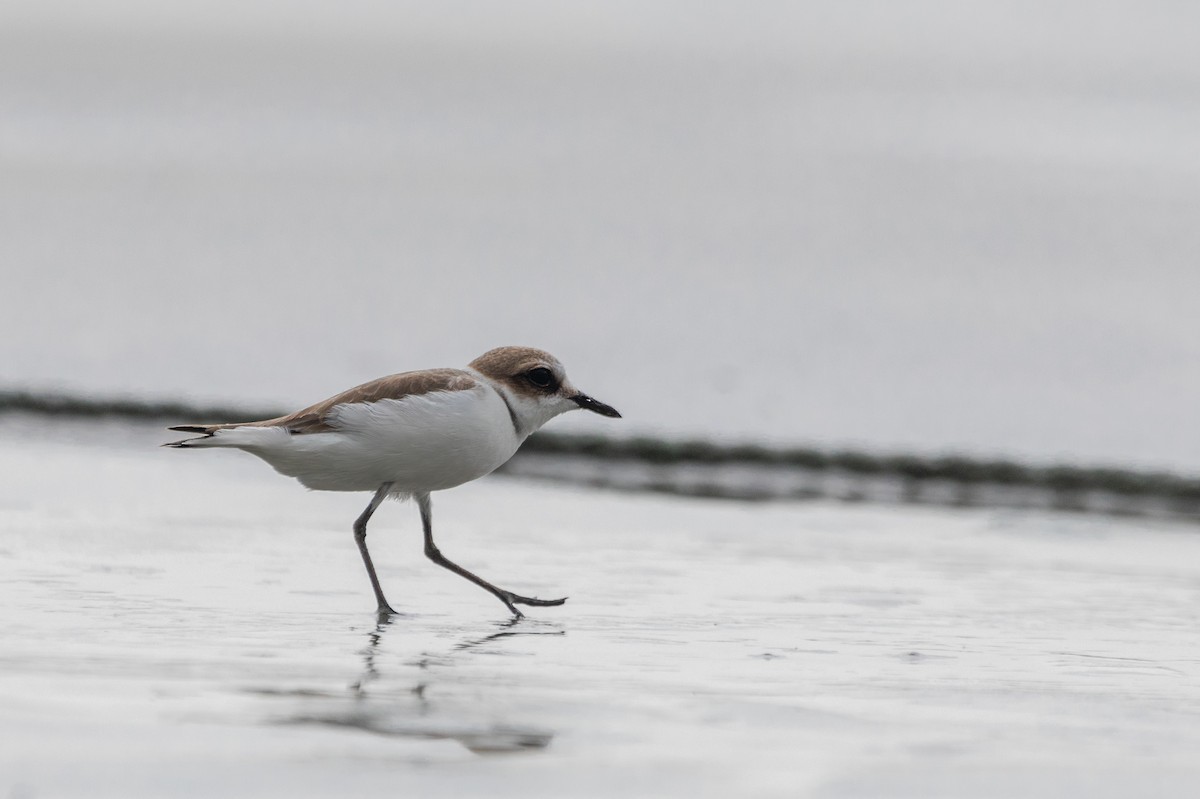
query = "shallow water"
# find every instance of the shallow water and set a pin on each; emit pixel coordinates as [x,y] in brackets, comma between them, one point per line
[213,634]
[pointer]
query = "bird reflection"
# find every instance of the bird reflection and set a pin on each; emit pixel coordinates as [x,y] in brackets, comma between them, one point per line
[412,713]
[509,628]
[473,643]
[370,672]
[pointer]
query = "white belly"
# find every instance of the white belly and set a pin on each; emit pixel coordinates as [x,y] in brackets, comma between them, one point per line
[427,442]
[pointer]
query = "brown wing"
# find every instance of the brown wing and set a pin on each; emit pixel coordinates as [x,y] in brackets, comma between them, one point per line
[315,418]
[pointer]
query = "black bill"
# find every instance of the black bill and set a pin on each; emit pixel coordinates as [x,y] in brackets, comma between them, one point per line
[595,406]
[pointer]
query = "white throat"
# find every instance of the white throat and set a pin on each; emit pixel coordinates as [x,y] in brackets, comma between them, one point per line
[530,413]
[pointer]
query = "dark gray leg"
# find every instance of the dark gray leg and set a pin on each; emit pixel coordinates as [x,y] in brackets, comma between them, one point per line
[360,538]
[509,599]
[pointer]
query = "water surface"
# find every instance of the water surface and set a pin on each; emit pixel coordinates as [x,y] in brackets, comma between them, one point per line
[183,625]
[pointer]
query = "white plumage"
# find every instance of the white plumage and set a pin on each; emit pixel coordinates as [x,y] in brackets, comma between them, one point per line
[424,442]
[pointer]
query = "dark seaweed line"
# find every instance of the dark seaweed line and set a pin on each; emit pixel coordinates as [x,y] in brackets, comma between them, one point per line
[968,472]
[953,468]
[798,483]
[56,404]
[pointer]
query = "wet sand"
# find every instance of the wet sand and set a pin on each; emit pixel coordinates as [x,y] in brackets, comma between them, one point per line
[191,624]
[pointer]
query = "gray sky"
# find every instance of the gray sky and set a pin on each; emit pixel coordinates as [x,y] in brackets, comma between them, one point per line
[923,226]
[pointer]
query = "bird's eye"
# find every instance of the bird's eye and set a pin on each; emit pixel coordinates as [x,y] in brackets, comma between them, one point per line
[541,377]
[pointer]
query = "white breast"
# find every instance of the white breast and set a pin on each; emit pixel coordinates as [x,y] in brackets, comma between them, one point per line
[426,442]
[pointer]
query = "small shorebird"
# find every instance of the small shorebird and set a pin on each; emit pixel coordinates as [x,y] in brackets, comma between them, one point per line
[411,434]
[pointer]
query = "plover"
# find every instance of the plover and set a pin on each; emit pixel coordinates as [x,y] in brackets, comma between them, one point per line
[413,433]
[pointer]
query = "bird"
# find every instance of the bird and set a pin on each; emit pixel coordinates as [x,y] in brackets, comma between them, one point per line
[410,434]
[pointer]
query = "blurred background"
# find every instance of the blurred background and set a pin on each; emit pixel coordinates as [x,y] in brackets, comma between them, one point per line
[922,226]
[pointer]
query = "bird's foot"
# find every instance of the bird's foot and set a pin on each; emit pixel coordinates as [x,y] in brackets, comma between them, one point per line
[511,601]
[526,600]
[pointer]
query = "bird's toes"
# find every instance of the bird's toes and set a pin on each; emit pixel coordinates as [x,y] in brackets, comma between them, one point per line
[541,603]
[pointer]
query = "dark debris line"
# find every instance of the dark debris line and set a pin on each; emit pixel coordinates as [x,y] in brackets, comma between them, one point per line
[55,404]
[748,471]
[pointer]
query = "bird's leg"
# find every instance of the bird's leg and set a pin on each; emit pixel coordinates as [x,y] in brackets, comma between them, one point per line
[360,538]
[509,599]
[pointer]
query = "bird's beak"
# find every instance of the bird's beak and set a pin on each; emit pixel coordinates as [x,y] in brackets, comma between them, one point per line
[595,406]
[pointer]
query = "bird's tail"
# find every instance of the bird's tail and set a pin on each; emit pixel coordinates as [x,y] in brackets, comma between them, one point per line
[221,435]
